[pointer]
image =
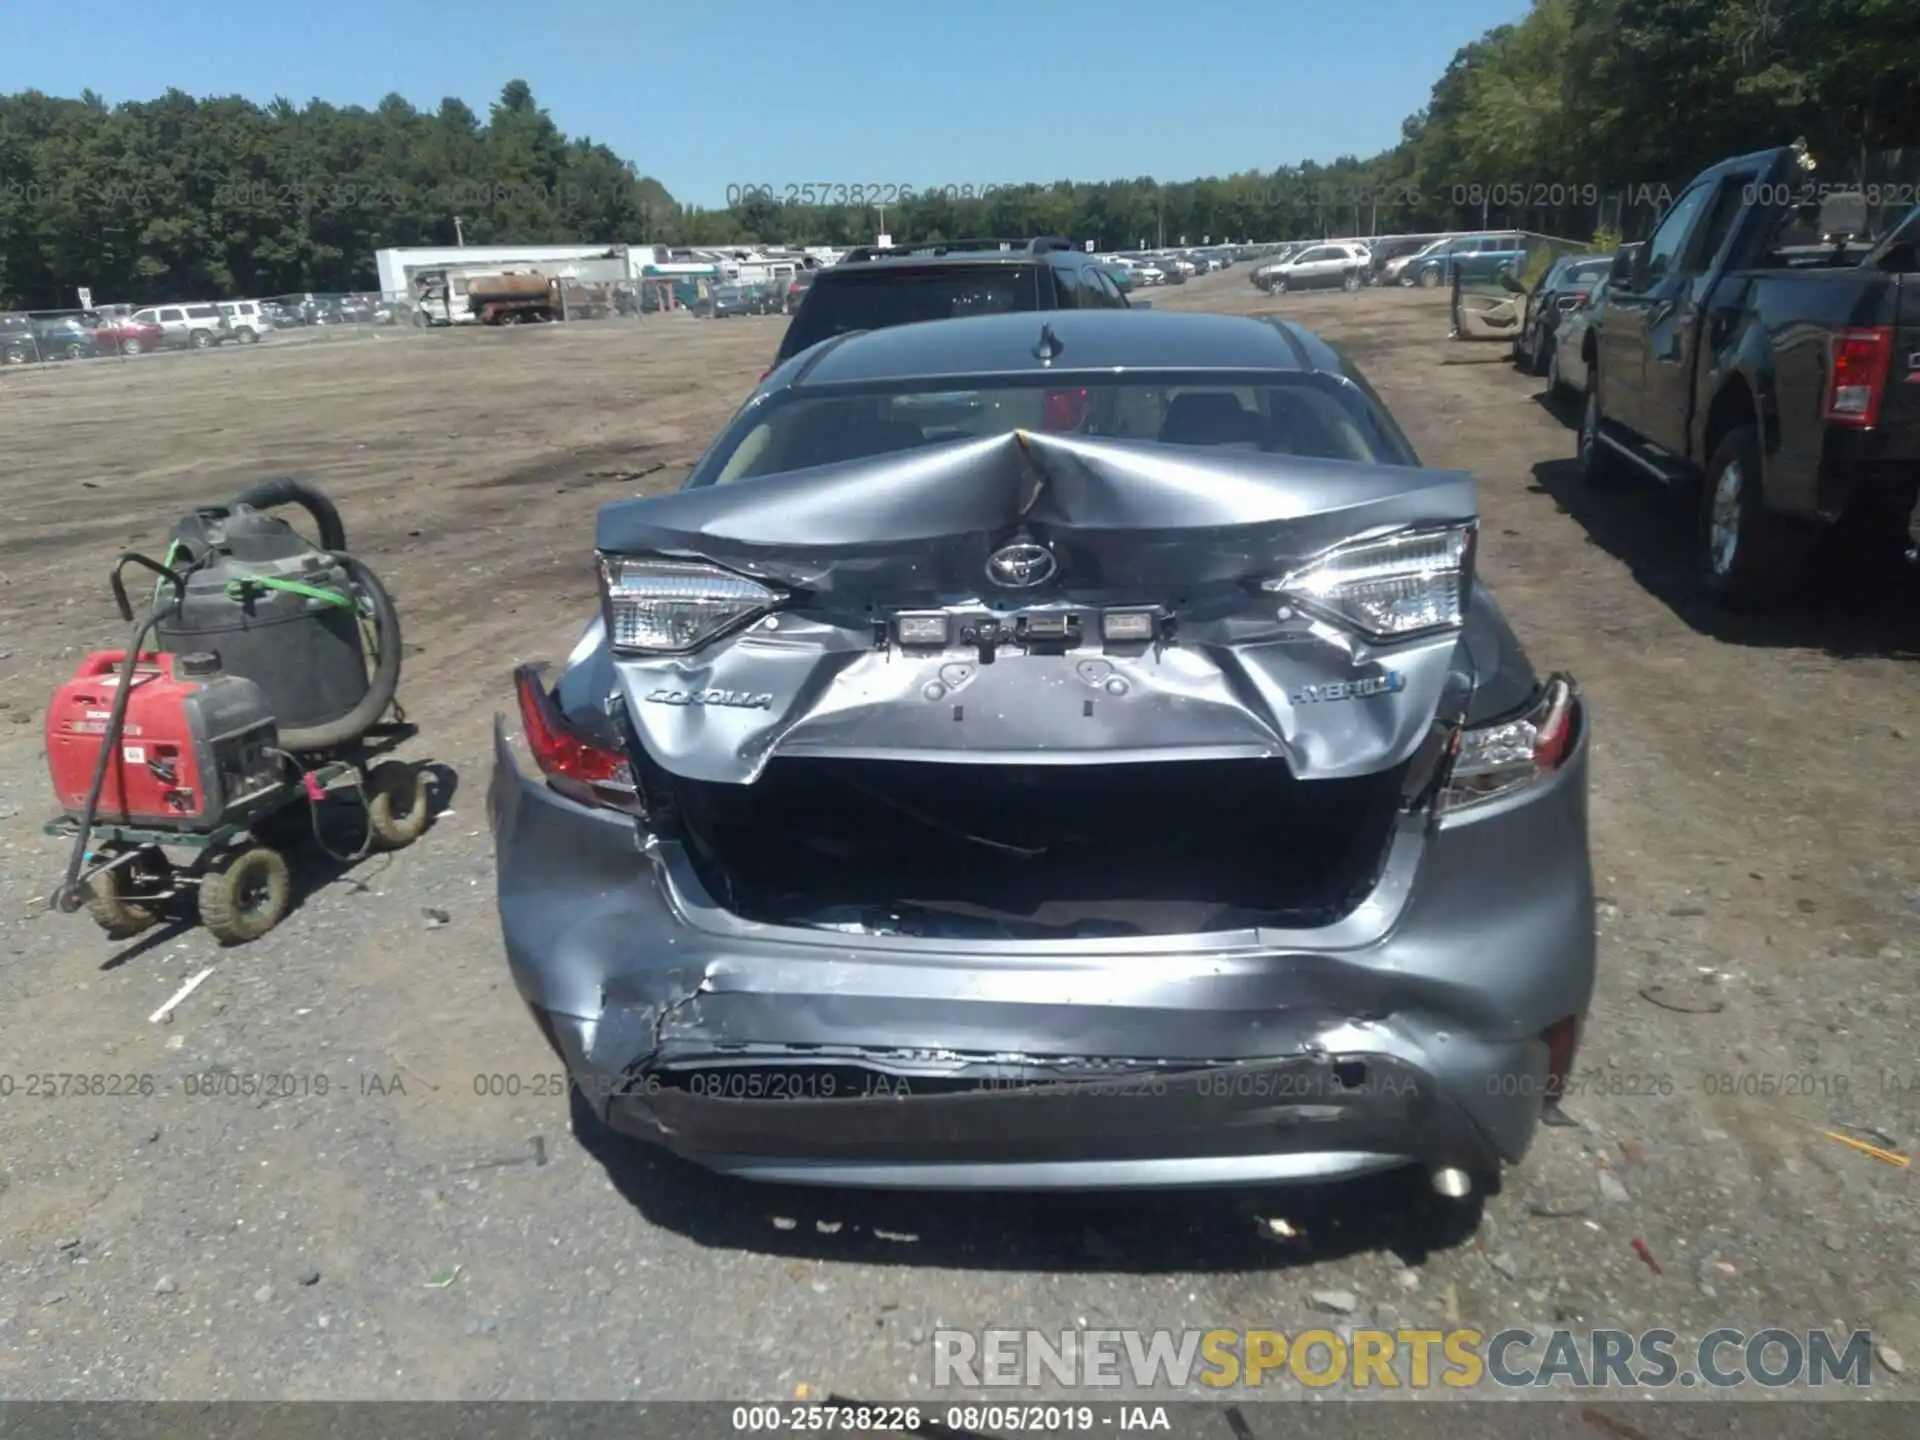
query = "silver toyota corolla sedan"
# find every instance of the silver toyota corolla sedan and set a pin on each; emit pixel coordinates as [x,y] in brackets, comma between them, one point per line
[1054,751]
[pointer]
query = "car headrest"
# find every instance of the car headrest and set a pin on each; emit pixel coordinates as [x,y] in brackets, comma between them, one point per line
[1210,419]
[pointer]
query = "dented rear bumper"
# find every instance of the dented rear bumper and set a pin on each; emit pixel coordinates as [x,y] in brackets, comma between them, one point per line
[1412,1031]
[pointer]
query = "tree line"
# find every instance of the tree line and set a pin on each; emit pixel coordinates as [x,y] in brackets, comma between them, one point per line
[1583,116]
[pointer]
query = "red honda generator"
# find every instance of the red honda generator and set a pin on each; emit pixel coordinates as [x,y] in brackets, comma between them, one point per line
[197,746]
[267,692]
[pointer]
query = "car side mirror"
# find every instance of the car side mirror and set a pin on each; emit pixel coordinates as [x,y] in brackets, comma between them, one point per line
[1626,267]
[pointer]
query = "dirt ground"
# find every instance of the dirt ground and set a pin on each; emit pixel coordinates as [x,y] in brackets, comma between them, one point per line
[408,1234]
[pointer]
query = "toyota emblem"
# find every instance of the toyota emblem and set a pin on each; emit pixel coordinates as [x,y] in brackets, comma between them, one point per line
[1021,567]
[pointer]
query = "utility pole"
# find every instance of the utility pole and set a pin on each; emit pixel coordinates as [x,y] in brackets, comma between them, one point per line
[459,234]
[883,217]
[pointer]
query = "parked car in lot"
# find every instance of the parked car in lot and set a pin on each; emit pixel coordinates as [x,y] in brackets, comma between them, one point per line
[1262,274]
[796,291]
[1567,362]
[725,300]
[121,334]
[187,327]
[246,320]
[26,339]
[1470,257]
[1776,372]
[871,288]
[19,342]
[1392,255]
[1564,288]
[1255,755]
[1317,267]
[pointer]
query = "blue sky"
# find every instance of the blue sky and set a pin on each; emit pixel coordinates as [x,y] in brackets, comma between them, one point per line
[787,92]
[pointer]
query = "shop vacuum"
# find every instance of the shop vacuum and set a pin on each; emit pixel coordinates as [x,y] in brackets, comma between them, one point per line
[270,690]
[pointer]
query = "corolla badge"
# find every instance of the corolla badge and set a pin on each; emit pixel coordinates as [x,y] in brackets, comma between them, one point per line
[1390,682]
[737,699]
[1022,566]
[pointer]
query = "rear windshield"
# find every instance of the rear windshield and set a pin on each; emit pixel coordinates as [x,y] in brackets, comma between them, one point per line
[877,299]
[1314,416]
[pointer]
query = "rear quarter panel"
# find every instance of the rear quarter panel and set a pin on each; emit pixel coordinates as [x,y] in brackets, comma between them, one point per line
[1776,343]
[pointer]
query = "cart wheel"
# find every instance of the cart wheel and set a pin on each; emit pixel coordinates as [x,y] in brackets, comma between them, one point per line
[399,800]
[121,916]
[245,895]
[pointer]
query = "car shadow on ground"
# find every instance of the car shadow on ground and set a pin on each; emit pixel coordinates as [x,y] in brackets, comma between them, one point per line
[313,862]
[1159,1232]
[1859,601]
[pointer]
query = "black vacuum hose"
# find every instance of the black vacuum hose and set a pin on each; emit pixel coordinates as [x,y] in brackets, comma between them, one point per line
[270,494]
[386,671]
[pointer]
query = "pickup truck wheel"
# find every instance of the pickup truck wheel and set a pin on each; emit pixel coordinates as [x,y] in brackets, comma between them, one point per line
[1744,554]
[1599,466]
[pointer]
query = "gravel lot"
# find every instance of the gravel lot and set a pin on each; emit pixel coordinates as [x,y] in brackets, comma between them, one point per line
[408,1235]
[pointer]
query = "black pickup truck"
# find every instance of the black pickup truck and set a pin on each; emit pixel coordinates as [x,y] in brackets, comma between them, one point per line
[1768,353]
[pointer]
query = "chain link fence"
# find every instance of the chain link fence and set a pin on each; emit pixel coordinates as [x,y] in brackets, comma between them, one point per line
[126,333]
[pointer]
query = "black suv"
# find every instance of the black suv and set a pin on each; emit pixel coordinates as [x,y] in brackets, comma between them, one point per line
[872,287]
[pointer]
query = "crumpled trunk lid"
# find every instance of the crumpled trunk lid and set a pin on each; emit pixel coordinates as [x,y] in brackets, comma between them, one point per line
[1191,532]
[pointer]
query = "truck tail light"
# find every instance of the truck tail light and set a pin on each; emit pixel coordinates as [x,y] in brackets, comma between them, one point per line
[574,766]
[1860,360]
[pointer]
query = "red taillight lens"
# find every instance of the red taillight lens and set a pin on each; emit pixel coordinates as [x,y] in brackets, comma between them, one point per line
[573,765]
[1563,1043]
[766,372]
[1859,369]
[1553,735]
[1064,410]
[1490,761]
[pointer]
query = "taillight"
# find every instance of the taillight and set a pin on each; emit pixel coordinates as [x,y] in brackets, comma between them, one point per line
[1063,410]
[1563,1043]
[766,372]
[1860,359]
[1491,761]
[573,765]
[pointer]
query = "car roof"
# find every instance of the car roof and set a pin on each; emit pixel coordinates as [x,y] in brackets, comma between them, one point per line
[968,258]
[1088,340]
